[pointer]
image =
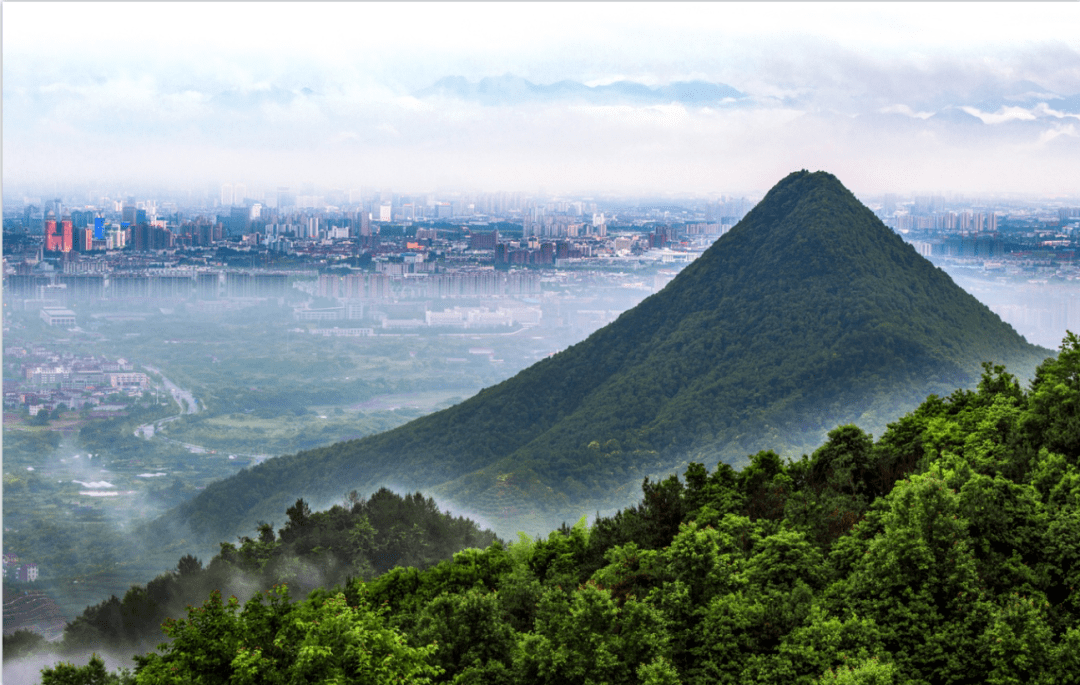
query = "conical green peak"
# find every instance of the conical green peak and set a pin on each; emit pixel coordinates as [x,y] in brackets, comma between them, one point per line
[810,313]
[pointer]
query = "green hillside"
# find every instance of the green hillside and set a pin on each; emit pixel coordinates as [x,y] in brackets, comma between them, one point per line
[947,551]
[808,314]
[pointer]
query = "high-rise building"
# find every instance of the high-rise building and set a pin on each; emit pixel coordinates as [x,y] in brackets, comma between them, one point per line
[239,194]
[128,214]
[140,237]
[83,287]
[315,227]
[483,240]
[285,198]
[54,242]
[68,235]
[84,239]
[32,218]
[547,253]
[238,220]
[207,285]
[226,195]
[116,238]
[81,219]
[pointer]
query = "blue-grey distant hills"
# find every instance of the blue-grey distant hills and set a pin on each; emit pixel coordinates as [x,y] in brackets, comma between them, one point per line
[808,314]
[956,116]
[512,90]
[1025,94]
[948,106]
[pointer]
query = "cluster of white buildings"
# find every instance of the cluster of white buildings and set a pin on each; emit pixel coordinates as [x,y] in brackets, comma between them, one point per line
[49,380]
[23,573]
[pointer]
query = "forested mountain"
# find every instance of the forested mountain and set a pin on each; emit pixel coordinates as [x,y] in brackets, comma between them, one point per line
[948,551]
[808,314]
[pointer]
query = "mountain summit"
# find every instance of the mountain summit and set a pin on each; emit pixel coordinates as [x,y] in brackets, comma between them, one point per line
[808,314]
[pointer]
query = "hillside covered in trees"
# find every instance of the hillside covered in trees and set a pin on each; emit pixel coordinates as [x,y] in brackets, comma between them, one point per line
[808,314]
[946,551]
[361,538]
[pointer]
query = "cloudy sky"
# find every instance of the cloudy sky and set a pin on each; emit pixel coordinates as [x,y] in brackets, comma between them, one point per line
[637,97]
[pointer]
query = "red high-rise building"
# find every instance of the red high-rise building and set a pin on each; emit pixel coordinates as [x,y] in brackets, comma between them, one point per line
[68,235]
[53,242]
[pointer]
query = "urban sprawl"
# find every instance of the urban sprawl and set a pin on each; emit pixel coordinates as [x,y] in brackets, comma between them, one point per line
[355,254]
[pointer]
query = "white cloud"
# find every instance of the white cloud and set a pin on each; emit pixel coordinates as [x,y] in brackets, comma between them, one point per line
[906,111]
[663,116]
[1043,109]
[389,129]
[222,91]
[413,104]
[1050,134]
[1002,115]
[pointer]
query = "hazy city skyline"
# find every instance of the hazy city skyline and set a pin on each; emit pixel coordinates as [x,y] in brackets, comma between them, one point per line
[966,97]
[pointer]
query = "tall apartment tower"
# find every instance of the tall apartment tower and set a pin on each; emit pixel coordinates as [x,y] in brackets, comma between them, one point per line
[54,242]
[226,195]
[67,235]
[285,198]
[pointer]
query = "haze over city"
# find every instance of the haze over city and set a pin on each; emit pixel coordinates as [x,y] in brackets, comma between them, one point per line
[676,98]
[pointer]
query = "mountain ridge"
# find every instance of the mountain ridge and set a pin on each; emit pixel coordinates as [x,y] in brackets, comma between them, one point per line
[511,89]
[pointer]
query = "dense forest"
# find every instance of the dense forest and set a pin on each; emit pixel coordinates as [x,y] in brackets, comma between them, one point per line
[808,314]
[946,551]
[360,538]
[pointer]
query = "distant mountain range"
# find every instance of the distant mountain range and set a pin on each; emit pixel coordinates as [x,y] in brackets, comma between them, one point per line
[511,90]
[1024,94]
[1025,99]
[808,314]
